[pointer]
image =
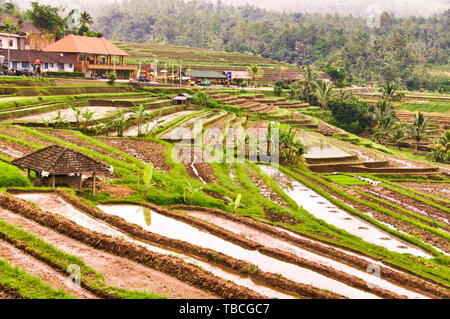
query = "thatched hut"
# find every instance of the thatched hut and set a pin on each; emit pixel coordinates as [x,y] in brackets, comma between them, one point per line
[182,98]
[57,165]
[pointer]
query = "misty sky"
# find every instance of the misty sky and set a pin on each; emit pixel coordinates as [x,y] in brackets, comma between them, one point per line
[399,8]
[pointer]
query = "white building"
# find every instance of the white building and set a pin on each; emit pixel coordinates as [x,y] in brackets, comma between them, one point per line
[12,41]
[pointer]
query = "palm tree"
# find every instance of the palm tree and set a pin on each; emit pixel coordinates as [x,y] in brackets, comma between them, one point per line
[381,111]
[255,72]
[139,116]
[283,71]
[309,82]
[418,130]
[344,94]
[389,92]
[397,134]
[85,19]
[385,127]
[324,93]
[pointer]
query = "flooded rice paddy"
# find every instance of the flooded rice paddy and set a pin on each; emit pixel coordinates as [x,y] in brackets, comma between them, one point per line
[56,205]
[323,209]
[169,227]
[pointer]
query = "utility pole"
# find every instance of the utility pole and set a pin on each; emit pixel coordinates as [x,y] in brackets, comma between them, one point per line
[156,68]
[180,70]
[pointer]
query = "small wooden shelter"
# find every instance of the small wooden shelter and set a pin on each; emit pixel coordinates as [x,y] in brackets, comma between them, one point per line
[57,165]
[182,98]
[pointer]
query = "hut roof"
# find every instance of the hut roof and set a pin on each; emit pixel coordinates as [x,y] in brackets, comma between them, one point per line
[58,160]
[325,129]
[206,74]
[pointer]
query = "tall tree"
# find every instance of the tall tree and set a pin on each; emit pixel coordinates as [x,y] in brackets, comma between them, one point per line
[419,130]
[255,72]
[324,94]
[45,17]
[309,82]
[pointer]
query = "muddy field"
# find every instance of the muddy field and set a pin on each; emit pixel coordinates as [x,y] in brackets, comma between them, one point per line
[407,203]
[146,151]
[441,190]
[14,150]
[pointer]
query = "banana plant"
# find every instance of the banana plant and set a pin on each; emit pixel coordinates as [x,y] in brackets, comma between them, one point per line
[147,216]
[234,204]
[147,177]
[189,193]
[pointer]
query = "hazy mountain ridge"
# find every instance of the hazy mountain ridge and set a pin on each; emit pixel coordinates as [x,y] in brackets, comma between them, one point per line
[399,8]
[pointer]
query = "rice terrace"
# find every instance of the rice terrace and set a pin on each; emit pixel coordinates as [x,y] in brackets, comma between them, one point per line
[157,170]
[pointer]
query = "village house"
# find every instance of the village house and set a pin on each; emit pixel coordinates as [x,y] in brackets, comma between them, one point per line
[12,41]
[92,55]
[30,59]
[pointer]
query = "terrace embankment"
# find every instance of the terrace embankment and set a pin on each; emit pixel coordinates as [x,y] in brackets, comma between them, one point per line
[408,203]
[33,266]
[441,190]
[213,257]
[102,244]
[144,150]
[327,250]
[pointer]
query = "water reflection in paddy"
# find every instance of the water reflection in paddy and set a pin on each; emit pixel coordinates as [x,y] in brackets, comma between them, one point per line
[175,229]
[330,213]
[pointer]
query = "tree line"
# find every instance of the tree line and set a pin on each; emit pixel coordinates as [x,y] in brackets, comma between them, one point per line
[400,49]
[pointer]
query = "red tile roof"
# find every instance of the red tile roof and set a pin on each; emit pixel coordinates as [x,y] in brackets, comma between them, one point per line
[89,45]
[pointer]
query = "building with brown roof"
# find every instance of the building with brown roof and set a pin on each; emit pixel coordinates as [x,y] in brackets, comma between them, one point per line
[57,165]
[92,55]
[25,59]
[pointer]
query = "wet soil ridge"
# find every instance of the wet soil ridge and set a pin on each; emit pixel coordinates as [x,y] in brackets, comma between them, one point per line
[166,264]
[8,293]
[399,278]
[11,253]
[275,253]
[408,203]
[243,268]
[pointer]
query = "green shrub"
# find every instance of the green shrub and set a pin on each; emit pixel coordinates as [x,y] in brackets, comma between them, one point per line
[112,78]
[10,176]
[65,74]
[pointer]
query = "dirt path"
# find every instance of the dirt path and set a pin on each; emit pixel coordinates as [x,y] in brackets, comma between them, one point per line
[37,268]
[119,272]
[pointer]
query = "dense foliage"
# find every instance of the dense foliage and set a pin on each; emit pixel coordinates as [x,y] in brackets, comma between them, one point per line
[351,115]
[394,50]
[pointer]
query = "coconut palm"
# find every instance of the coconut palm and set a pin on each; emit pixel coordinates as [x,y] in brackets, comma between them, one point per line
[381,111]
[283,71]
[385,126]
[85,18]
[418,130]
[389,92]
[344,94]
[139,116]
[255,72]
[397,134]
[309,82]
[324,94]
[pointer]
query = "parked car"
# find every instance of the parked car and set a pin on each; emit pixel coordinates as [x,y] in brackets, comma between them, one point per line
[143,79]
[206,83]
[24,72]
[101,76]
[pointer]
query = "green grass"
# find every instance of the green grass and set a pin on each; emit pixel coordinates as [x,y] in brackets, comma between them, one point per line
[10,176]
[62,261]
[26,285]
[435,107]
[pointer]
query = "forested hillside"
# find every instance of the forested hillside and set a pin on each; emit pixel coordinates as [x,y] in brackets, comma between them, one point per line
[400,48]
